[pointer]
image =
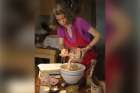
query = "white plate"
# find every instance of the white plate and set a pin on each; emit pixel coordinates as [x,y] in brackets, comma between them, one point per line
[49,67]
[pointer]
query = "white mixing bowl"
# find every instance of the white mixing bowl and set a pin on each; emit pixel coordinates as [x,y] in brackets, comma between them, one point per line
[72,77]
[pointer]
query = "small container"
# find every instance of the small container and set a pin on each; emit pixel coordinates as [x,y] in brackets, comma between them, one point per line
[47,89]
[44,89]
[72,89]
[54,89]
[63,91]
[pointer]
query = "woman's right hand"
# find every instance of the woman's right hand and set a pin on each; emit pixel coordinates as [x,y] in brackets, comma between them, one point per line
[64,52]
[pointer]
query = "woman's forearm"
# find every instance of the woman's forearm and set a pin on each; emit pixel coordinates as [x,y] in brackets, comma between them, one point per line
[96,38]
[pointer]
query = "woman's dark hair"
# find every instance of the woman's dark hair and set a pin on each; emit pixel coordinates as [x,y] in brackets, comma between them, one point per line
[61,9]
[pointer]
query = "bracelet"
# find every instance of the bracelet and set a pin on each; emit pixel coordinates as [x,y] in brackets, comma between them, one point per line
[88,47]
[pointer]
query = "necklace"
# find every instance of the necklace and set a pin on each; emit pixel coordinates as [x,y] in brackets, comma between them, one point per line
[70,34]
[69,30]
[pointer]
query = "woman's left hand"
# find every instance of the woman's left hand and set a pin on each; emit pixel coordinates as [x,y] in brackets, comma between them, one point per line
[75,54]
[81,52]
[84,50]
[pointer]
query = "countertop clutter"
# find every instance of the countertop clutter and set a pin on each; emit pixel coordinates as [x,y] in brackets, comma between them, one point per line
[50,81]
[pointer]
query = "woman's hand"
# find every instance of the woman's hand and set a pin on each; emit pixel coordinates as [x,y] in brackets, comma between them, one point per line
[64,52]
[84,50]
[75,55]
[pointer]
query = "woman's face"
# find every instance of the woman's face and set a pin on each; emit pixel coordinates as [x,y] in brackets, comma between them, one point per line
[61,19]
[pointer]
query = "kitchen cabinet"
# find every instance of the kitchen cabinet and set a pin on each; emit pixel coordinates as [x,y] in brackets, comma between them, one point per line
[46,6]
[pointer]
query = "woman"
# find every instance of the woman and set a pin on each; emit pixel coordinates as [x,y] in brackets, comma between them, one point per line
[76,33]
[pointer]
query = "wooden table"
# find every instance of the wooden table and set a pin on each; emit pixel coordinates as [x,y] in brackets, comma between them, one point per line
[46,53]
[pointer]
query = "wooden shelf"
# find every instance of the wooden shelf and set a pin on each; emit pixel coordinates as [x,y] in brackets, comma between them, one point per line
[46,6]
